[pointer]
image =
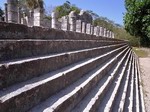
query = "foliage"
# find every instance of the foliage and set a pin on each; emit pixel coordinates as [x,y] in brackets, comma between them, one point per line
[65,9]
[119,30]
[137,19]
[1,13]
[32,4]
[140,52]
[93,14]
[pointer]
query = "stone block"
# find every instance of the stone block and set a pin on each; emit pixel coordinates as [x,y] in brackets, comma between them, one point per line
[88,28]
[83,27]
[79,26]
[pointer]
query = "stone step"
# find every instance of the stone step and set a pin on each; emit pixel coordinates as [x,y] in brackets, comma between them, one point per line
[136,88]
[138,94]
[118,105]
[95,96]
[15,49]
[141,98]
[66,99]
[115,91]
[129,101]
[25,95]
[21,70]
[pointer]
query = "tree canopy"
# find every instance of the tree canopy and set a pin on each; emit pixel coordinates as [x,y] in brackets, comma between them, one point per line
[137,19]
[1,12]
[32,4]
[65,9]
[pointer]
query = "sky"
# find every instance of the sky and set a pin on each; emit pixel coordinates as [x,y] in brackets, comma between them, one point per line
[112,9]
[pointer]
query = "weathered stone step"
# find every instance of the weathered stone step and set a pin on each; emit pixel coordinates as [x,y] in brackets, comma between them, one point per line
[129,97]
[25,95]
[141,98]
[136,84]
[95,96]
[15,49]
[118,105]
[66,99]
[17,71]
[112,95]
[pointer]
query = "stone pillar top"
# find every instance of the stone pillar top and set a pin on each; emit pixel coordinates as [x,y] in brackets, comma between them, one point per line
[72,14]
[54,14]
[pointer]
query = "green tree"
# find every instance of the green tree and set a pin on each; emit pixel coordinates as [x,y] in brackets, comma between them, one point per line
[137,19]
[65,9]
[1,13]
[32,4]
[93,14]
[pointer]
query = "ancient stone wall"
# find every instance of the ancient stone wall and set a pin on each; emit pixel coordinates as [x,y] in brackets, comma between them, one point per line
[81,23]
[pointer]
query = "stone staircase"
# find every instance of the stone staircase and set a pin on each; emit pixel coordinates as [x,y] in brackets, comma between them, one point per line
[68,74]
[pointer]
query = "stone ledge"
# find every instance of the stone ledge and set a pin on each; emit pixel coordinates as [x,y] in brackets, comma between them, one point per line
[19,31]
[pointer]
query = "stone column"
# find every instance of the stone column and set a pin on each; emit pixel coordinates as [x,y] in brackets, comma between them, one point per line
[23,19]
[31,13]
[31,18]
[96,30]
[88,28]
[79,26]
[92,29]
[12,11]
[0,19]
[6,12]
[19,15]
[38,17]
[108,33]
[54,20]
[101,31]
[113,35]
[72,21]
[105,32]
[65,23]
[83,27]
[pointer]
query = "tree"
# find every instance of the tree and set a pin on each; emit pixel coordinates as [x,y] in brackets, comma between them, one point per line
[137,19]
[32,4]
[93,14]
[1,13]
[65,9]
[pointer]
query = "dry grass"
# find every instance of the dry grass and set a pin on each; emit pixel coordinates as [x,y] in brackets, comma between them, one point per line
[141,53]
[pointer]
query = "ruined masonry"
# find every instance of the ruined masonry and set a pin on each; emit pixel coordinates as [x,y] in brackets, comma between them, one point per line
[71,66]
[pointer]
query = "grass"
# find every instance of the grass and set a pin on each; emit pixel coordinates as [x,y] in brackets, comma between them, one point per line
[140,53]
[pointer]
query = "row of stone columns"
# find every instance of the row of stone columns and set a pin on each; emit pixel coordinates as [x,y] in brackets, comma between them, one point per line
[70,23]
[13,14]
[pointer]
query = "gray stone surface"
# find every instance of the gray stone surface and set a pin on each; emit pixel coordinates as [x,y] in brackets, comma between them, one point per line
[101,32]
[41,63]
[38,17]
[88,28]
[72,20]
[6,12]
[37,87]
[12,11]
[83,27]
[79,26]
[65,23]
[92,29]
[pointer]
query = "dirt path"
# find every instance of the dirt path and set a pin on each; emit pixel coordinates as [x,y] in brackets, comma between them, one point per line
[145,69]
